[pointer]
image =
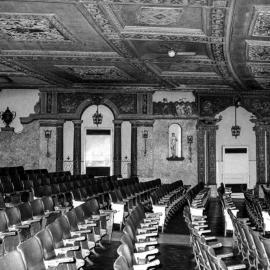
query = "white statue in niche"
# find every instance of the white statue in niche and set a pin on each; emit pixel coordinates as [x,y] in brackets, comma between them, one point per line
[173,145]
[174,142]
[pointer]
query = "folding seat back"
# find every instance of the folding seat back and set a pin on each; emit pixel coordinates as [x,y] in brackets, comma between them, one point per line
[260,250]
[54,180]
[46,240]
[33,254]
[45,180]
[84,193]
[125,239]
[37,207]
[12,260]
[89,190]
[57,234]
[37,180]
[17,183]
[92,206]
[121,264]
[77,184]
[64,225]
[72,219]
[4,222]
[77,194]
[130,231]
[63,187]
[48,203]
[2,201]
[26,211]
[80,214]
[9,242]
[70,185]
[47,190]
[55,189]
[125,252]
[14,215]
[8,187]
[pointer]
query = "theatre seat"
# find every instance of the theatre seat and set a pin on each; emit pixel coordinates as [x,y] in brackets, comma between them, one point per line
[12,261]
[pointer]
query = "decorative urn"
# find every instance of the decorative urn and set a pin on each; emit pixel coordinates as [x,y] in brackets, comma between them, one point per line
[7,117]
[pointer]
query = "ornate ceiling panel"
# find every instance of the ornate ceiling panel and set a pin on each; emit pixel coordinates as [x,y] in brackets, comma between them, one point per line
[218,44]
[33,27]
[249,48]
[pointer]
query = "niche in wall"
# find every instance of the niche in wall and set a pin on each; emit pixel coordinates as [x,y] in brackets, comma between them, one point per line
[175,142]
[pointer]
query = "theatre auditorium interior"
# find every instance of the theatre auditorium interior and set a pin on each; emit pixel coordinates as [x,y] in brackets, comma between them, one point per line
[134,134]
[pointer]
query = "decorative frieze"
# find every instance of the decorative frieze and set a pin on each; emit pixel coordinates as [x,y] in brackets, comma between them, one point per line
[69,102]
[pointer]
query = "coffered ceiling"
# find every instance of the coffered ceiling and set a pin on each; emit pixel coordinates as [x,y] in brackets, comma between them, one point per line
[220,44]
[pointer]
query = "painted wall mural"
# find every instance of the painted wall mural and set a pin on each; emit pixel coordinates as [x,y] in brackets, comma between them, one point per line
[178,109]
[33,27]
[69,102]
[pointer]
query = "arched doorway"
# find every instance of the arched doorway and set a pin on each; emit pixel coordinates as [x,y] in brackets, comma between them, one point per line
[97,142]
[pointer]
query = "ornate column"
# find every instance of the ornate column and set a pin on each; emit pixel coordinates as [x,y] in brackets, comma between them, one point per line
[211,155]
[268,153]
[77,147]
[260,132]
[201,152]
[206,147]
[117,148]
[59,145]
[133,148]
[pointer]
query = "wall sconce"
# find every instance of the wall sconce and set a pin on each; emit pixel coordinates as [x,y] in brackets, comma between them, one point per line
[145,136]
[190,141]
[48,135]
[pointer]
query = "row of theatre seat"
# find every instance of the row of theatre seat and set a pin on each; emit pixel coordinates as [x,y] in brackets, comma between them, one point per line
[65,187]
[66,243]
[207,251]
[139,242]
[249,233]
[167,199]
[23,222]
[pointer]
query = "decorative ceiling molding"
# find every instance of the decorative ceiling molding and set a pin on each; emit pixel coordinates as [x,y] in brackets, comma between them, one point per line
[258,50]
[106,73]
[162,2]
[34,27]
[160,16]
[176,74]
[53,54]
[218,19]
[260,25]
[259,69]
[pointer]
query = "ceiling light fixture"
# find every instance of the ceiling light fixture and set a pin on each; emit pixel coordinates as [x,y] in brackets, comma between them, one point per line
[171,53]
